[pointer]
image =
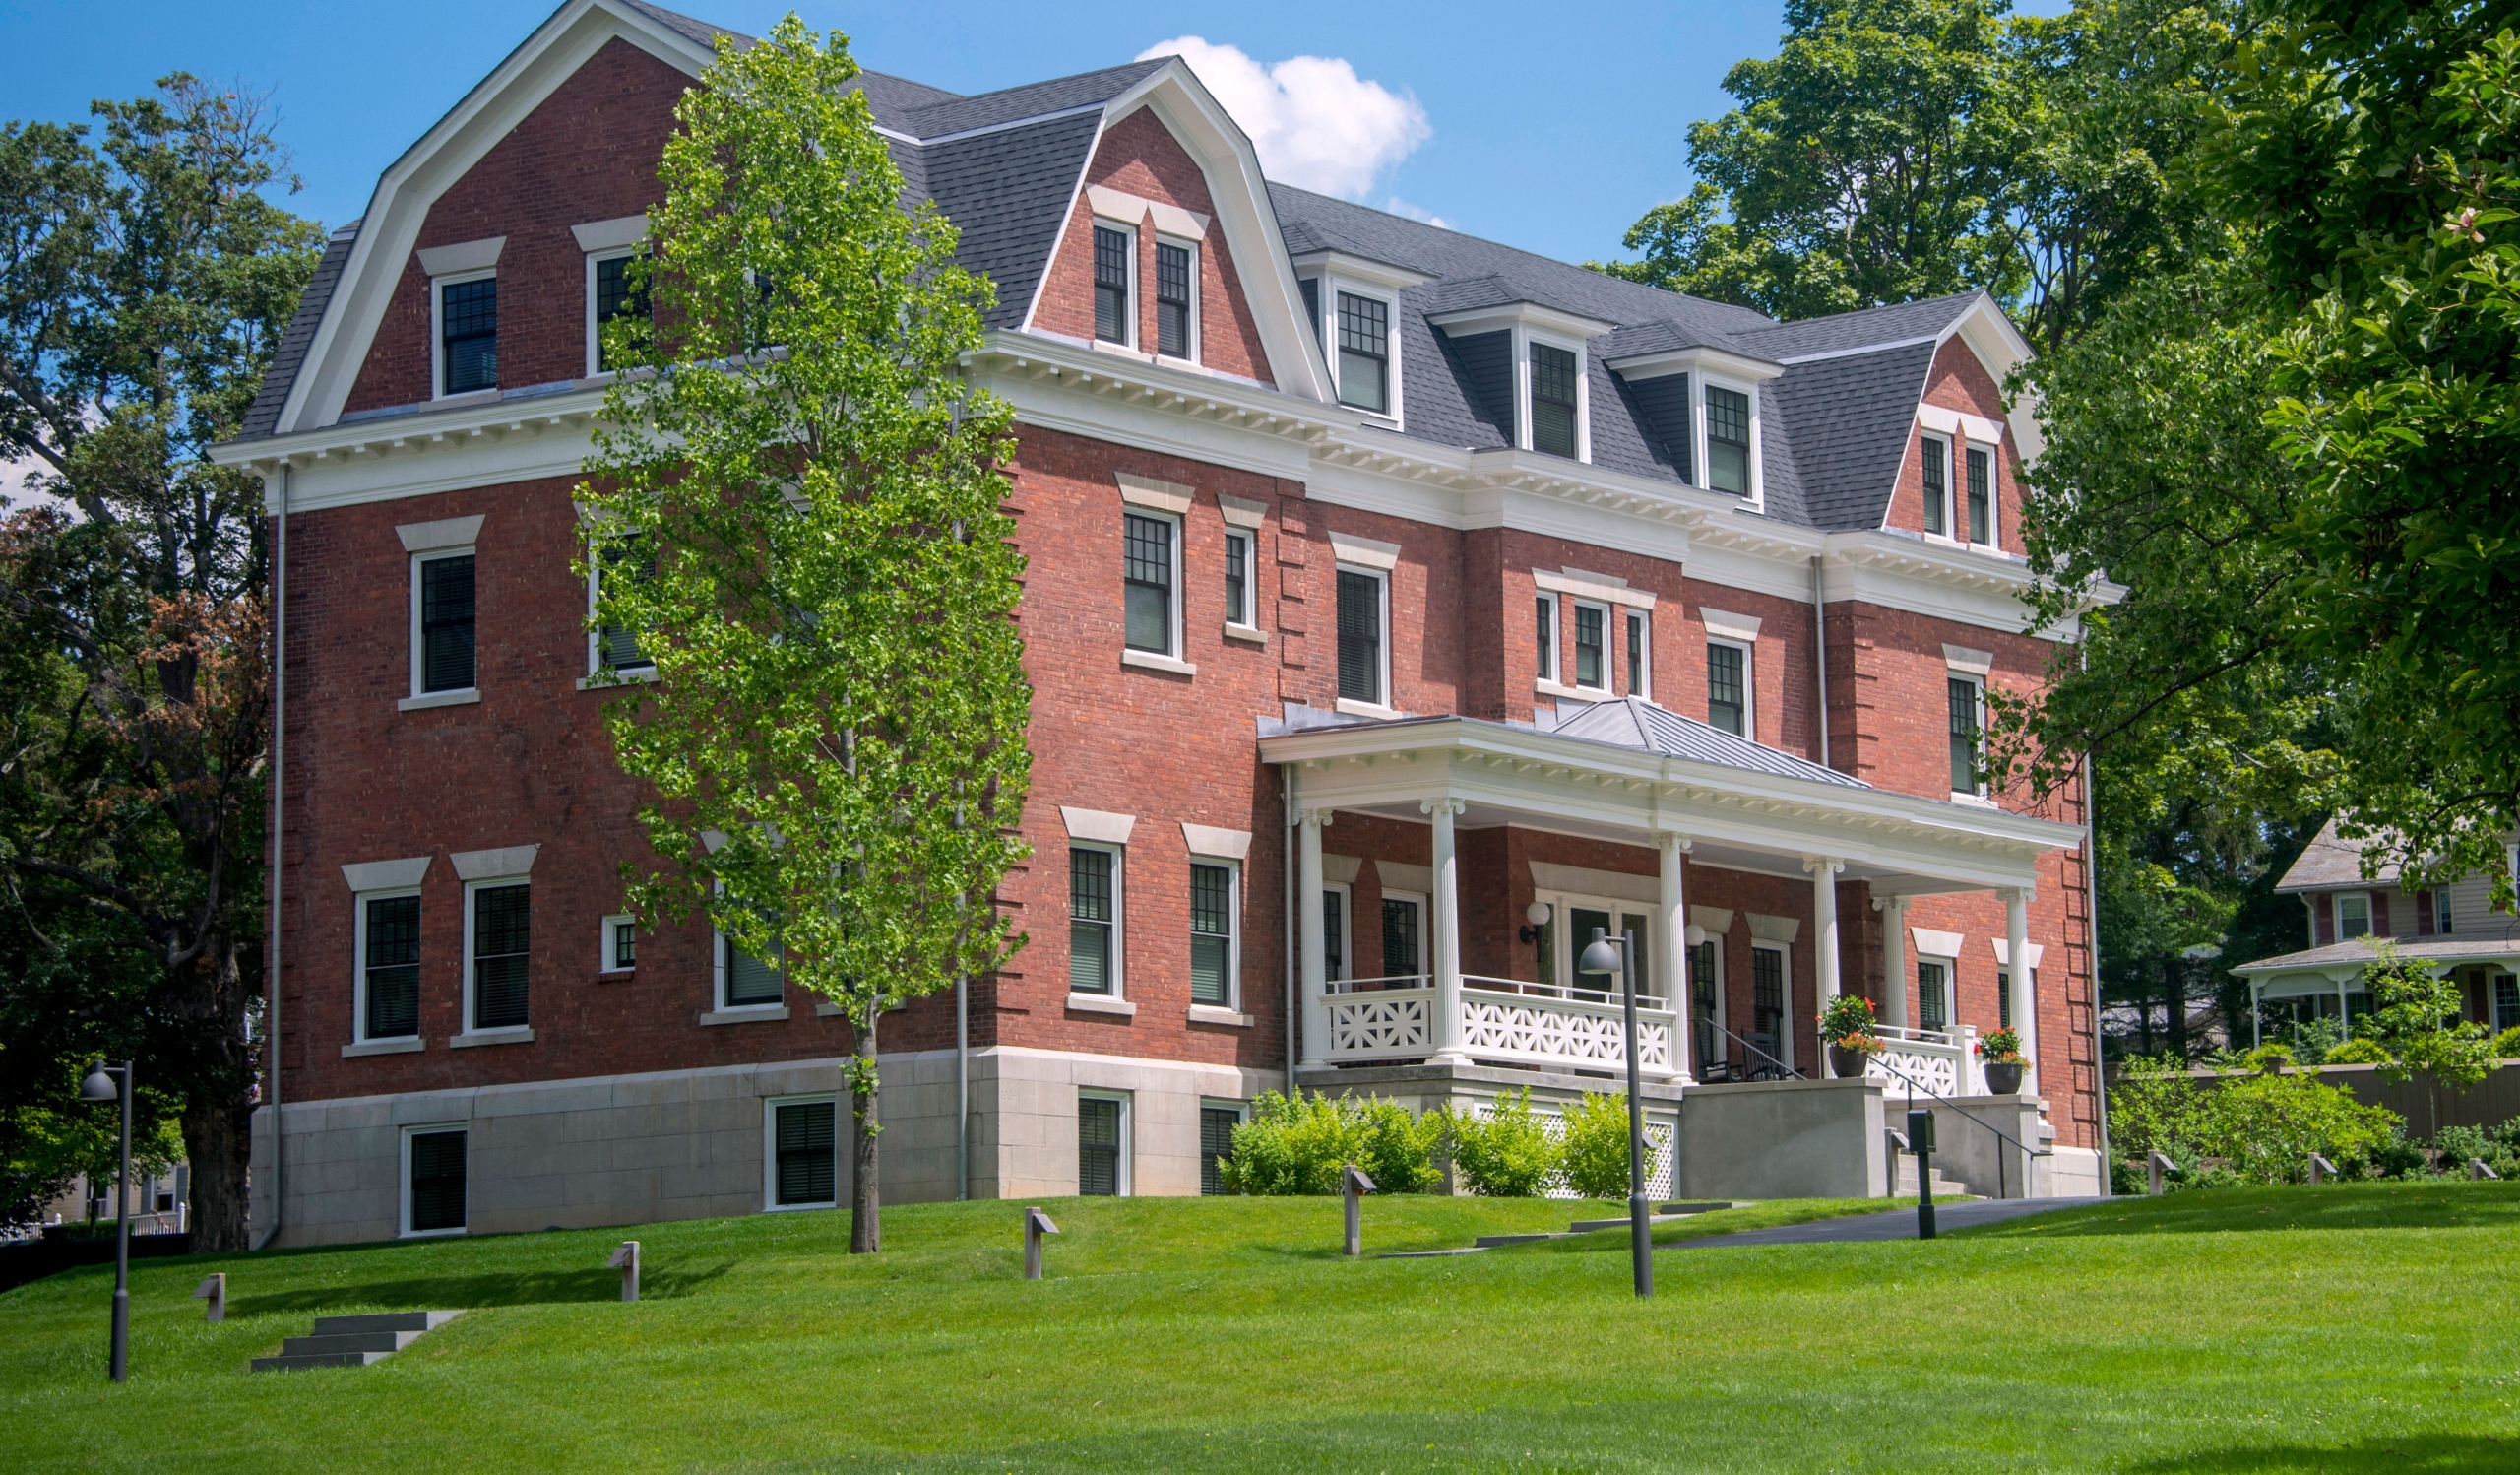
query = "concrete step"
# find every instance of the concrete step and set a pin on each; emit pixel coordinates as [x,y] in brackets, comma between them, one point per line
[1672,1210]
[1490,1242]
[1588,1226]
[337,1327]
[348,1341]
[288,1362]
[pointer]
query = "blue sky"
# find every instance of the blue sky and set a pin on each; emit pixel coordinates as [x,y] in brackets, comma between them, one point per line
[1550,127]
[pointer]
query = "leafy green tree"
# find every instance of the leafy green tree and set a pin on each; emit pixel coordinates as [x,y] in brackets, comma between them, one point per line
[145,282]
[835,728]
[2415,1017]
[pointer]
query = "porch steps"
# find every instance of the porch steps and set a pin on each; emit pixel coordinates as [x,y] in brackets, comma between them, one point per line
[1942,1185]
[354,1341]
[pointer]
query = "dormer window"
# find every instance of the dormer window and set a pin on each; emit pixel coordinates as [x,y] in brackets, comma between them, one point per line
[1727,440]
[1938,485]
[1112,256]
[1552,401]
[1981,506]
[1175,318]
[468,315]
[1364,354]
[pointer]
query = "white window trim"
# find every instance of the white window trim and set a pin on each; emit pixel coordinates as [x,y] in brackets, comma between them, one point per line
[1129,317]
[1346,968]
[595,631]
[2371,915]
[1567,947]
[1609,649]
[359,966]
[403,1188]
[1995,495]
[1123,1180]
[1722,998]
[1953,468]
[1234,931]
[769,1106]
[1119,993]
[452,694]
[1382,705]
[595,335]
[1638,631]
[466,1034]
[1950,965]
[1785,1034]
[1425,929]
[1698,382]
[1192,358]
[1246,620]
[1977,795]
[437,333]
[1174,657]
[1750,650]
[1332,286]
[1524,338]
[603,951]
[1547,664]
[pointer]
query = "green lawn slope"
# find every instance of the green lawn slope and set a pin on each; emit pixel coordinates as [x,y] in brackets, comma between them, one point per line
[2342,1328]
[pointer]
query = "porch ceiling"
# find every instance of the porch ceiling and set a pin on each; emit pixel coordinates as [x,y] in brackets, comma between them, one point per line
[1757,821]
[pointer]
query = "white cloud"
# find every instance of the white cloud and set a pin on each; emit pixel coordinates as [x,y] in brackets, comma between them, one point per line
[1315,123]
[1399,206]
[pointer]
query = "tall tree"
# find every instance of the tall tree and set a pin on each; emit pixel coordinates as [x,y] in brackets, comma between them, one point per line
[800,501]
[144,283]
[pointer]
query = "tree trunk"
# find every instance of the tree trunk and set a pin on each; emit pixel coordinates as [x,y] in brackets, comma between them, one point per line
[211,993]
[865,1206]
[218,1143]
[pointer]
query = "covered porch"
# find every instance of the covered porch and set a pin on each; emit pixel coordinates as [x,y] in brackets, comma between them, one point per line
[1734,870]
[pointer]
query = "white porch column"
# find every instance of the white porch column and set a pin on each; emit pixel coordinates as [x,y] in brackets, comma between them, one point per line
[1671,925]
[1894,959]
[1448,1018]
[1311,946]
[2025,997]
[1824,922]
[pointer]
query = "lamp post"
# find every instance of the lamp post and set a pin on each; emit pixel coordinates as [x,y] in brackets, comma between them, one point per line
[100,1086]
[1607,953]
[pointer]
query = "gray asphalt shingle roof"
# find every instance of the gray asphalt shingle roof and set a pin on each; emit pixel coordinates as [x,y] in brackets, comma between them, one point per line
[1633,722]
[262,416]
[1865,328]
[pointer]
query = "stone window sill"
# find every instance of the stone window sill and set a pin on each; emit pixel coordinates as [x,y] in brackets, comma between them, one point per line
[1150,661]
[749,1014]
[523,1034]
[1251,634]
[383,1046]
[1577,693]
[1202,1013]
[464,697]
[1096,1003]
[617,976]
[1369,709]
[826,1010]
[642,677]
[1974,801]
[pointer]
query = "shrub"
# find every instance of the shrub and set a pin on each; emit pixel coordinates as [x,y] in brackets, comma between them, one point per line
[2359,1050]
[2506,1046]
[2457,1144]
[1507,1154]
[2267,1126]
[2272,1055]
[2399,1158]
[2129,1181]
[2312,1039]
[2203,1178]
[1296,1146]
[1596,1147]
[2155,1106]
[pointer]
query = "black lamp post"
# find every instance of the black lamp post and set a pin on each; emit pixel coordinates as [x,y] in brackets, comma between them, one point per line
[1606,955]
[100,1086]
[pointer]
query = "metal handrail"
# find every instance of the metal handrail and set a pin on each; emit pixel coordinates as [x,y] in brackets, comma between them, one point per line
[1755,1050]
[2003,1178]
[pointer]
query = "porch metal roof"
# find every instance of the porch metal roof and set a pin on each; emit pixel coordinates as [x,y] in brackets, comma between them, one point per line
[1633,722]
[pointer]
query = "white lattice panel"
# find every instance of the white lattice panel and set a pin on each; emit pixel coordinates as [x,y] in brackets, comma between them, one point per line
[1547,1032]
[1384,1025]
[1936,1068]
[1658,1154]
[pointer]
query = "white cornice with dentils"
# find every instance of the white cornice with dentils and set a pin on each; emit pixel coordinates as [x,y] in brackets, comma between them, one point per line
[401,205]
[393,457]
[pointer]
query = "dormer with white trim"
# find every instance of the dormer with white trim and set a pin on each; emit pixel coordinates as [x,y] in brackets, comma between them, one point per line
[1702,400]
[1532,364]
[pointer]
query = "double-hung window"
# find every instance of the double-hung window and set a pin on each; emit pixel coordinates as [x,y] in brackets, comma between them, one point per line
[1966,701]
[1706,1001]
[744,981]
[1093,921]
[609,296]
[1770,980]
[468,333]
[1727,440]
[2507,1003]
[1640,655]
[1361,636]
[2352,914]
[1101,1146]
[501,928]
[804,1153]
[1937,484]
[1149,544]
[616,646]
[1114,263]
[441,621]
[1981,497]
[1334,933]
[1728,688]
[1592,646]
[1217,1126]
[1365,352]
[1177,316]
[1545,635]
[1404,953]
[1212,914]
[1933,995]
[389,964]
[1237,579]
[1554,400]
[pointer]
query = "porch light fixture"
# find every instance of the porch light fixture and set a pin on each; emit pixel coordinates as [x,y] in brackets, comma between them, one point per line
[1609,954]
[1694,936]
[1534,917]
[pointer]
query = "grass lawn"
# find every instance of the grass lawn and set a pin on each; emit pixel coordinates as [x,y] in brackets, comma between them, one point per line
[2340,1328]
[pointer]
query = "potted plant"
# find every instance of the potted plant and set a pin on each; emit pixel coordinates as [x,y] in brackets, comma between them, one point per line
[2000,1053]
[1848,1024]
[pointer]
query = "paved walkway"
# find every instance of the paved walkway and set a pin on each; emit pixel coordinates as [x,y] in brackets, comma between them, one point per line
[1898,1224]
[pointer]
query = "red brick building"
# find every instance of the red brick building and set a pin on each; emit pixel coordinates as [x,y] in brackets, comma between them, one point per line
[1400,607]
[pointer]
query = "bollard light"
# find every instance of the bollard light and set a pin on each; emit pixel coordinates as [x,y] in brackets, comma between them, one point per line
[1036,1225]
[1920,1143]
[626,1260]
[1352,1186]
[213,1291]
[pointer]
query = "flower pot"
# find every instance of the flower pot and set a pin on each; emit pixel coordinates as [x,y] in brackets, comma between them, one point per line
[2003,1078]
[1847,1063]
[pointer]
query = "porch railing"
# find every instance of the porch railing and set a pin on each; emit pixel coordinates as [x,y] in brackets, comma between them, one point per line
[1927,1061]
[1506,1021]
